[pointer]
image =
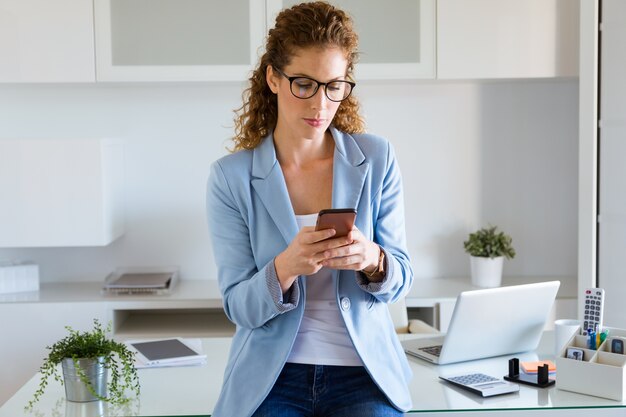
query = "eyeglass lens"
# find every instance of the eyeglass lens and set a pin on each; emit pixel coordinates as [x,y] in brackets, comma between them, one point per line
[306,88]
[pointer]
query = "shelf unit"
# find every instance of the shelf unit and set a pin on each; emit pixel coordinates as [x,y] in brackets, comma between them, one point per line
[194,308]
[181,322]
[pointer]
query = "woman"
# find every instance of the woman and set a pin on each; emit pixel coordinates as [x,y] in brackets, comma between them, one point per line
[314,336]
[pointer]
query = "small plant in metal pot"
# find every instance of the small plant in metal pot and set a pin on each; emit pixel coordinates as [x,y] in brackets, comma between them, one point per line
[86,359]
[488,247]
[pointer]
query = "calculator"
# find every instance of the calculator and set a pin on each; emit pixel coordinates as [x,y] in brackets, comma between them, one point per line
[482,384]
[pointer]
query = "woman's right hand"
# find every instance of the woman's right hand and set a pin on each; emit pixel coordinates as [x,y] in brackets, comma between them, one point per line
[305,254]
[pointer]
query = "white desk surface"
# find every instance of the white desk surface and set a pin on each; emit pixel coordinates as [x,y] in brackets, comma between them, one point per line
[193,391]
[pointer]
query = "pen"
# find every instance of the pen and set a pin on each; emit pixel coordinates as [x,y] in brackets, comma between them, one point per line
[604,335]
[592,339]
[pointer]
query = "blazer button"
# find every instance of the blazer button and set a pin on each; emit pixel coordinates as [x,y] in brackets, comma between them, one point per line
[345,303]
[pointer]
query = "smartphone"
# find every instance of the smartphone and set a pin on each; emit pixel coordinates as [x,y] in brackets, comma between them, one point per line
[342,220]
[617,346]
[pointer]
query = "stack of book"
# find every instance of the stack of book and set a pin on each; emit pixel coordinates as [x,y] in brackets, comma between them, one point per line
[141,280]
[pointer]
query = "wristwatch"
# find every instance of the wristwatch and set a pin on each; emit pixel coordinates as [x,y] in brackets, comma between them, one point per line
[380,268]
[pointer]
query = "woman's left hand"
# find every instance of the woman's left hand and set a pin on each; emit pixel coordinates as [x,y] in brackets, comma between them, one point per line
[361,254]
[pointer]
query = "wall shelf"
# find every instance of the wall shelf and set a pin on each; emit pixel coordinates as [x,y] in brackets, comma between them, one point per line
[157,323]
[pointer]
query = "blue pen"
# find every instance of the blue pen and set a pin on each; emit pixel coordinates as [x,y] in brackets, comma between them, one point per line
[592,339]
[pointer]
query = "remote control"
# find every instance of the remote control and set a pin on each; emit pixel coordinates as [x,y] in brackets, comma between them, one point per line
[482,384]
[593,302]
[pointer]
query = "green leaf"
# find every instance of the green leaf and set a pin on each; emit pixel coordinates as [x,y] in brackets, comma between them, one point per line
[489,243]
[118,359]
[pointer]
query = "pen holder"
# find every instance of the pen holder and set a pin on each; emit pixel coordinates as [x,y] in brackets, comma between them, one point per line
[599,372]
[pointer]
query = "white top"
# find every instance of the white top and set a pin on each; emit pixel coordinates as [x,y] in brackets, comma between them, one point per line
[322,338]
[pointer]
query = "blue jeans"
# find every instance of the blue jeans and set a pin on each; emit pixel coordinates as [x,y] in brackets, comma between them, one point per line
[325,391]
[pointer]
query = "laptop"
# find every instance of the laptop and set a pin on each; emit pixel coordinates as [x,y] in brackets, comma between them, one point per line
[490,322]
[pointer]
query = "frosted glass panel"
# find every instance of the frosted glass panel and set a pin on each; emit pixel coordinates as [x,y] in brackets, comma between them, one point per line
[389,32]
[180,32]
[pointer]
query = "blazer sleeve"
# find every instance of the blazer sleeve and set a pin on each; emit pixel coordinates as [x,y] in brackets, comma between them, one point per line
[251,294]
[390,234]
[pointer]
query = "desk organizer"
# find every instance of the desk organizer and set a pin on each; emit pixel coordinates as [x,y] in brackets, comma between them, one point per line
[600,373]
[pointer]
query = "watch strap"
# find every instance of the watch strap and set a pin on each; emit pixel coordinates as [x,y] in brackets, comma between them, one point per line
[380,268]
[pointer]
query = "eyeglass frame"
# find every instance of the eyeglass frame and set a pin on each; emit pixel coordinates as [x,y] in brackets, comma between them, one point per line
[319,84]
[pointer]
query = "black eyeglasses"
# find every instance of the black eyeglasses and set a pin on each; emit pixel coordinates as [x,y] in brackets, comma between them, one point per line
[305,87]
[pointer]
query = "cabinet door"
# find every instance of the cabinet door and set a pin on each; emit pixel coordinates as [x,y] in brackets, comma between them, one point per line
[394,42]
[46,41]
[507,38]
[61,192]
[177,40]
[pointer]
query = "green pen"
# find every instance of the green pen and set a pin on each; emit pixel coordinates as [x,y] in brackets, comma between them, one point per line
[604,335]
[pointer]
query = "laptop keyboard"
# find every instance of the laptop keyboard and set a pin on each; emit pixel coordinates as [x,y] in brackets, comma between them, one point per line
[433,350]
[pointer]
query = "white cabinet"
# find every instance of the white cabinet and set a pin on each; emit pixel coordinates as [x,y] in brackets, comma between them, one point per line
[396,40]
[46,41]
[212,40]
[177,40]
[61,192]
[507,38]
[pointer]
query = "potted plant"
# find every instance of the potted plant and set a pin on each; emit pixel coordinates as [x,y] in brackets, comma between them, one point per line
[86,359]
[487,248]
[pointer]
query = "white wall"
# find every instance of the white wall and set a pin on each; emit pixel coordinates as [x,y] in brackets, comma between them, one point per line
[471,153]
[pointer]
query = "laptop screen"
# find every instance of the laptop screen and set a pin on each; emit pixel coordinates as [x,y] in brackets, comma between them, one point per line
[496,321]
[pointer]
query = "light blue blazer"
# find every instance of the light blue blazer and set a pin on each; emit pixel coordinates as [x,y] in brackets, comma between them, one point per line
[251,220]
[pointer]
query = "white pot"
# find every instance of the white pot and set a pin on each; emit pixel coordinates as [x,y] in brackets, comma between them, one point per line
[486,272]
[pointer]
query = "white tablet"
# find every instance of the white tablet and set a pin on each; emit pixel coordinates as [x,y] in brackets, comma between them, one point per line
[165,351]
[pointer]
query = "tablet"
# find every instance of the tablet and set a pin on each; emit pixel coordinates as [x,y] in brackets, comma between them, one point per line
[165,351]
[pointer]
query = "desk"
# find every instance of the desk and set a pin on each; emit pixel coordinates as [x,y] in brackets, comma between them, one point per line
[193,391]
[193,309]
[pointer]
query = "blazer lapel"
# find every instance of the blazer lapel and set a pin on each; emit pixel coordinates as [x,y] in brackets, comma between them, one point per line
[349,171]
[269,183]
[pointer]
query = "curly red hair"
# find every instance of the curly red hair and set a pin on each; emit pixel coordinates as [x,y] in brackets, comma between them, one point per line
[315,24]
